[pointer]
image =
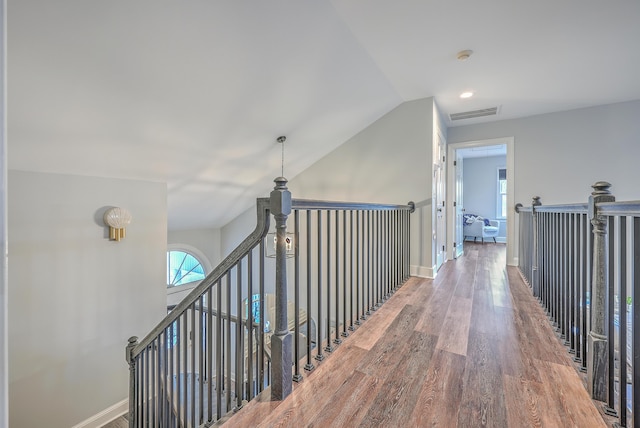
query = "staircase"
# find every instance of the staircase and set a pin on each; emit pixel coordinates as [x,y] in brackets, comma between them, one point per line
[339,264]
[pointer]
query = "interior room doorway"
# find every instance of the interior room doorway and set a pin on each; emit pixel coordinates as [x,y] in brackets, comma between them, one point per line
[489,191]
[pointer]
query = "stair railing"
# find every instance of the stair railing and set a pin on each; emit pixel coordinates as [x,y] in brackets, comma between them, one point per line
[215,350]
[161,393]
[582,262]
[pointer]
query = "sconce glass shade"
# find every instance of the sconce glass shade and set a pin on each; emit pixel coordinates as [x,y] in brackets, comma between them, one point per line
[272,242]
[117,219]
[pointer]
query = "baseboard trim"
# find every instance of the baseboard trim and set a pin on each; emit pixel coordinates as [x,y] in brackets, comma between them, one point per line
[421,271]
[105,416]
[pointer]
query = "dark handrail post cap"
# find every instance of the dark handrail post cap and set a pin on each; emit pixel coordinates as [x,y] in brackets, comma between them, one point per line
[281,183]
[133,341]
[601,188]
[412,205]
[536,201]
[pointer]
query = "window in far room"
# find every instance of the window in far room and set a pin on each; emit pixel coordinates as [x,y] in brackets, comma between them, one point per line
[501,209]
[183,267]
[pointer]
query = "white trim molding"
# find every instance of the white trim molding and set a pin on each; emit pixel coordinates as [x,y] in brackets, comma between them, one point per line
[511,185]
[422,271]
[105,416]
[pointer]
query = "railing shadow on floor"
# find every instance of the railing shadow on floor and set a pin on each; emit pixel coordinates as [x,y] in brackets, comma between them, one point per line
[238,333]
[582,262]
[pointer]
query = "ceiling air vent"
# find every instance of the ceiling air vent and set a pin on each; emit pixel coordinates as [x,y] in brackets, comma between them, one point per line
[491,111]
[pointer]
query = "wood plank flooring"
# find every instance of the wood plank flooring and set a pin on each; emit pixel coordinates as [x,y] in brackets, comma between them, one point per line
[471,348]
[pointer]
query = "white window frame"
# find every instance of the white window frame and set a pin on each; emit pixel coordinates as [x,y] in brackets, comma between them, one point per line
[196,253]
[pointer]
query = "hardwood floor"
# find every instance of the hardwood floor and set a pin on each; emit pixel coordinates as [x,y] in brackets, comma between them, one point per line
[471,348]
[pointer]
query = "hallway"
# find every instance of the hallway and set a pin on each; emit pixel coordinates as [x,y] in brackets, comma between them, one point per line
[470,348]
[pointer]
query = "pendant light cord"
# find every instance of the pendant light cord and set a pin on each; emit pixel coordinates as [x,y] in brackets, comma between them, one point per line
[281,140]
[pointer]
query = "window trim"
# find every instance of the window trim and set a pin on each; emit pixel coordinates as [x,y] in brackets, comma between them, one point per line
[197,254]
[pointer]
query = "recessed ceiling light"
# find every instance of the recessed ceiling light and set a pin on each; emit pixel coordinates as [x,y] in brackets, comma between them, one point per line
[467,94]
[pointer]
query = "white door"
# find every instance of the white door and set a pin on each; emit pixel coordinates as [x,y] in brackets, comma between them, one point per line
[459,207]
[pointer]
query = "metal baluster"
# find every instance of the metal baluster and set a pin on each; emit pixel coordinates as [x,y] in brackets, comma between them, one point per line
[178,346]
[297,377]
[201,350]
[609,407]
[209,365]
[185,365]
[261,351]
[337,339]
[370,275]
[345,296]
[193,338]
[380,261]
[356,267]
[329,347]
[171,393]
[249,326]
[227,347]
[219,342]
[635,393]
[375,261]
[146,396]
[362,268]
[351,271]
[586,283]
[565,279]
[543,251]
[622,246]
[309,366]
[239,339]
[394,218]
[386,255]
[153,390]
[319,355]
[574,283]
[556,271]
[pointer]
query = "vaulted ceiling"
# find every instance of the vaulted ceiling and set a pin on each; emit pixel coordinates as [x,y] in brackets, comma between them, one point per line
[195,93]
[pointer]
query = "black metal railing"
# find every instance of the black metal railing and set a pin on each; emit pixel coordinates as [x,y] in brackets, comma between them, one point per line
[580,261]
[217,348]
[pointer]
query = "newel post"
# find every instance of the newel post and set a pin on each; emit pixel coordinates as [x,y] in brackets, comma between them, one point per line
[133,342]
[597,347]
[535,257]
[281,340]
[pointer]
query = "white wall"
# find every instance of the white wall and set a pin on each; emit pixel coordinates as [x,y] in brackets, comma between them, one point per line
[480,187]
[75,296]
[559,155]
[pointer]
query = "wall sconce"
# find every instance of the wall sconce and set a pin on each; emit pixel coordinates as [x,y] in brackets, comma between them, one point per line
[270,250]
[117,219]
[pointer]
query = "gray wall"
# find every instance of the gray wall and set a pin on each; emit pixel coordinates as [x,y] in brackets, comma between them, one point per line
[480,187]
[206,241]
[559,155]
[390,161]
[76,297]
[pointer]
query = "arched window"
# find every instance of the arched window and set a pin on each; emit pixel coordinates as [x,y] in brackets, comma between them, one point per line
[183,267]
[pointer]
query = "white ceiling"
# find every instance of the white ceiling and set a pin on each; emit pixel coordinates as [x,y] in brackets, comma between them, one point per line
[195,93]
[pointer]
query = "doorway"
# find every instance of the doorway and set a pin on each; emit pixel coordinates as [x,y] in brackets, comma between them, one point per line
[497,207]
